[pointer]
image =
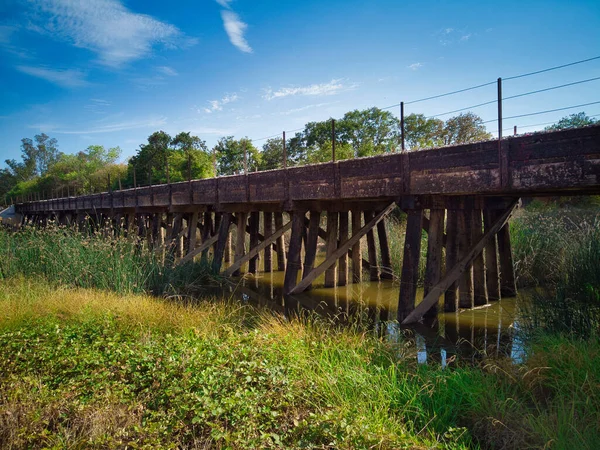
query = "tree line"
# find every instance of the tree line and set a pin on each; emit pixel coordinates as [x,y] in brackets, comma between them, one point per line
[44,171]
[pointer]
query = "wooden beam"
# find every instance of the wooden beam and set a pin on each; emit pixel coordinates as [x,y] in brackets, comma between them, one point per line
[300,287]
[257,249]
[206,244]
[294,260]
[410,264]
[191,232]
[465,284]
[451,295]
[253,226]
[508,286]
[372,250]
[433,268]
[387,272]
[479,288]
[454,273]
[331,244]
[268,230]
[491,259]
[343,238]
[240,241]
[356,249]
[281,242]
[222,239]
[311,243]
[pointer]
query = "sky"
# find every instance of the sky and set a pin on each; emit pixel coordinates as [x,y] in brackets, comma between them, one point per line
[111,72]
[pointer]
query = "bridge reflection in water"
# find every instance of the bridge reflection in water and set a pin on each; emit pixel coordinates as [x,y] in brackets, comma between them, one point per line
[468,334]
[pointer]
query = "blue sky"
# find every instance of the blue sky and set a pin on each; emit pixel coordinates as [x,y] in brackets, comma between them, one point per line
[111,72]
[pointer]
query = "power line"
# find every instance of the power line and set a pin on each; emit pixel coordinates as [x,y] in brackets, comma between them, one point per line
[543,112]
[542,124]
[463,109]
[551,88]
[551,68]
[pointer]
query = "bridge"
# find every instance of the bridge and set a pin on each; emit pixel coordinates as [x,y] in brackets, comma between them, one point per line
[462,196]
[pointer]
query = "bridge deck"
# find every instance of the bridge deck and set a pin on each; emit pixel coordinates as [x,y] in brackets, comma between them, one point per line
[552,163]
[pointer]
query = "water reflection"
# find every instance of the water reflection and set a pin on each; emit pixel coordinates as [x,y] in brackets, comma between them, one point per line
[466,334]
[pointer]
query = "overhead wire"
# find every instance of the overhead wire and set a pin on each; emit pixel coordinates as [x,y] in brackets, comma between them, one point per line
[551,68]
[543,112]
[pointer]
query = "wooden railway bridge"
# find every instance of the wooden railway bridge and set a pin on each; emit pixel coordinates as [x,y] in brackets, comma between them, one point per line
[462,196]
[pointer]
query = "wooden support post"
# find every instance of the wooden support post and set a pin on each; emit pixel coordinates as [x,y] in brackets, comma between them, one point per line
[253,225]
[343,238]
[356,249]
[207,231]
[373,263]
[191,232]
[228,248]
[433,268]
[156,228]
[331,246]
[491,258]
[455,272]
[410,263]
[240,242]
[387,272]
[257,249]
[451,295]
[479,287]
[311,243]
[176,228]
[169,222]
[331,260]
[268,231]
[465,284]
[508,287]
[281,242]
[222,238]
[293,264]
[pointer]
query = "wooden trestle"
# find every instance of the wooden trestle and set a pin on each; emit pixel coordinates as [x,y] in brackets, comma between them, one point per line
[456,202]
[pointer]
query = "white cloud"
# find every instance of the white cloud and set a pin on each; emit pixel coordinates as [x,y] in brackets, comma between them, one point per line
[331,88]
[304,108]
[166,70]
[217,105]
[415,66]
[105,27]
[235,29]
[466,37]
[68,78]
[224,3]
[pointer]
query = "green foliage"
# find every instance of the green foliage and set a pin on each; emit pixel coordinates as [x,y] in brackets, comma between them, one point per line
[422,132]
[230,155]
[272,154]
[370,131]
[465,128]
[577,120]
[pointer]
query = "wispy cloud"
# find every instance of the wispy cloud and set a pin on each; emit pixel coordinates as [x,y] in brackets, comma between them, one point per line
[217,105]
[166,70]
[68,78]
[224,3]
[97,105]
[105,27]
[235,29]
[151,122]
[335,86]
[415,66]
[304,108]
[466,37]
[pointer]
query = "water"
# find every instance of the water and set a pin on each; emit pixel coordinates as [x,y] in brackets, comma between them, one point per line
[467,334]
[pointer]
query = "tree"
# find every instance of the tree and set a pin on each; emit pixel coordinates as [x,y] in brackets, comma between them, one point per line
[272,154]
[150,162]
[573,121]
[465,128]
[369,131]
[422,132]
[230,155]
[190,158]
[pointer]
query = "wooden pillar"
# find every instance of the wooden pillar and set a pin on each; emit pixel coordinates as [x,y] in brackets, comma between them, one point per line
[268,231]
[508,287]
[191,232]
[221,242]
[253,225]
[435,242]
[343,238]
[311,243]
[228,248]
[465,284]
[207,230]
[479,287]
[331,246]
[169,222]
[293,263]
[240,242]
[373,263]
[356,249]
[281,242]
[386,263]
[156,229]
[410,264]
[491,258]
[451,295]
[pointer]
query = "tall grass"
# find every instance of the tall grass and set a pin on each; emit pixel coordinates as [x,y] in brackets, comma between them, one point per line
[96,260]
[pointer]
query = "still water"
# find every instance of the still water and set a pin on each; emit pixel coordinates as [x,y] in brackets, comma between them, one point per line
[467,334]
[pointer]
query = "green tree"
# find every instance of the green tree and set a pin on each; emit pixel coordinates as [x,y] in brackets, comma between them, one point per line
[577,120]
[465,128]
[369,131]
[150,162]
[190,157]
[272,154]
[422,132]
[230,155]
